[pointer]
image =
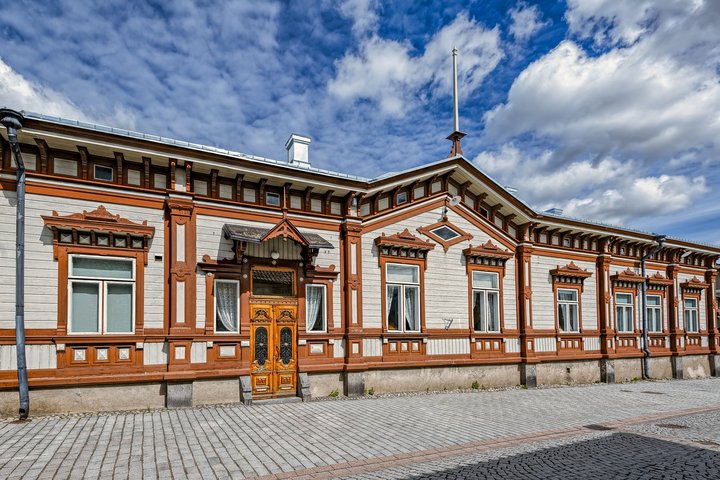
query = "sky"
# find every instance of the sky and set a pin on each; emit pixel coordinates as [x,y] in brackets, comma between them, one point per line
[608,110]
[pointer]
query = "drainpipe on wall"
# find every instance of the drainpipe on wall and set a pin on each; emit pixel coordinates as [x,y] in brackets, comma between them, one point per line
[12,121]
[660,239]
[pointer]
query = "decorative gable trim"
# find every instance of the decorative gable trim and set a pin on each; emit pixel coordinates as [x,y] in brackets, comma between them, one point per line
[98,228]
[446,244]
[570,274]
[286,229]
[404,245]
[487,254]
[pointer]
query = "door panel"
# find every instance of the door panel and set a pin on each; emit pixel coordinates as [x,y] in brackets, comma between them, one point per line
[273,340]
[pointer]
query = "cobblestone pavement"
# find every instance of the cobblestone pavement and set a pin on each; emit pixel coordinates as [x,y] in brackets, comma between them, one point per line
[369,436]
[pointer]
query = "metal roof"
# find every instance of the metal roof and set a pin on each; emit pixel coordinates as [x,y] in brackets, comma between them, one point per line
[247,233]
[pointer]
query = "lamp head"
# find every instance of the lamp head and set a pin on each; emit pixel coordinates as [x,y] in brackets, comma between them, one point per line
[11,119]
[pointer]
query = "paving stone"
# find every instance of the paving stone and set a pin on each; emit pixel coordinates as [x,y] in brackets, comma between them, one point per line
[235,441]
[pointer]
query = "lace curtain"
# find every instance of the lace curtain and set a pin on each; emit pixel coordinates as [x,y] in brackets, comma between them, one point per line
[411,305]
[314,308]
[226,315]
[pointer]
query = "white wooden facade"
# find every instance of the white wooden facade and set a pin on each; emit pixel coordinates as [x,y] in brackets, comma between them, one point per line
[173,204]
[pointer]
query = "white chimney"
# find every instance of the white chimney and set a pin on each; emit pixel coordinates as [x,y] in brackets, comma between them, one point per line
[297,148]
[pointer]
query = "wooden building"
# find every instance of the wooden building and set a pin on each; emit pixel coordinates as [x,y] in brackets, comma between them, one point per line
[162,272]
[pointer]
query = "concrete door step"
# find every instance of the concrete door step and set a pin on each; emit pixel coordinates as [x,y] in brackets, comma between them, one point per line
[275,401]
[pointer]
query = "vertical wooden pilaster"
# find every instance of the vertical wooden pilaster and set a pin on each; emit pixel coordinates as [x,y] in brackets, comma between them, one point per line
[604,291]
[44,166]
[676,335]
[119,161]
[524,296]
[712,318]
[181,265]
[147,181]
[352,291]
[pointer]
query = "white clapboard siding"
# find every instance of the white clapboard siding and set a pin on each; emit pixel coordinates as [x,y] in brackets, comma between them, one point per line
[37,357]
[325,258]
[372,347]
[41,281]
[448,346]
[198,352]
[446,279]
[339,349]
[155,353]
[512,345]
[545,344]
[543,297]
[591,343]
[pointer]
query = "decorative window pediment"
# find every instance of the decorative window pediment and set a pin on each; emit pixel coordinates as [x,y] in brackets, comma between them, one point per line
[445,233]
[694,285]
[98,228]
[404,245]
[658,282]
[570,274]
[487,254]
[627,278]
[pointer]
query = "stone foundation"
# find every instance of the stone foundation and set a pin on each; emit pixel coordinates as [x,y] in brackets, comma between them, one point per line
[627,369]
[696,366]
[441,378]
[566,373]
[209,392]
[323,384]
[660,368]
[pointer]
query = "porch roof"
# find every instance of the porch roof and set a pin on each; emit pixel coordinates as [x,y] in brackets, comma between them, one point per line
[247,233]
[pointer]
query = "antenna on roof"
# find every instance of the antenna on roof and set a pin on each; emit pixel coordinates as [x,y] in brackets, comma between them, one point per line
[457,134]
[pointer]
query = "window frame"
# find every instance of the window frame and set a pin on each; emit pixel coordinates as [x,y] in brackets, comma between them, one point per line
[324,307]
[385,297]
[695,309]
[273,194]
[630,305]
[485,292]
[577,303]
[659,308]
[112,173]
[103,284]
[215,301]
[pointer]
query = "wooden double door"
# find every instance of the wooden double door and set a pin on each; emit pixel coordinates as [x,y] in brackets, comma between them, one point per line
[273,341]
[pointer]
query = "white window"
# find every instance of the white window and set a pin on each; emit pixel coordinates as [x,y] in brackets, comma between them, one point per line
[227,313]
[102,295]
[654,313]
[691,314]
[315,308]
[402,297]
[624,312]
[486,302]
[568,310]
[101,172]
[272,199]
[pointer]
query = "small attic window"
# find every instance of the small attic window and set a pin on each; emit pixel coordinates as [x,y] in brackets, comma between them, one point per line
[445,232]
[101,172]
[401,198]
[272,199]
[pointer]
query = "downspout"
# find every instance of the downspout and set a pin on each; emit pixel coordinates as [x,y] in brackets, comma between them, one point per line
[12,121]
[660,239]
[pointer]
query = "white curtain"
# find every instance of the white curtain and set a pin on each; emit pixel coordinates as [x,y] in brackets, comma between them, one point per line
[226,295]
[411,308]
[314,308]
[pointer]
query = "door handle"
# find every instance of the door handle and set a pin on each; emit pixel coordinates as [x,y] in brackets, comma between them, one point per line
[277,353]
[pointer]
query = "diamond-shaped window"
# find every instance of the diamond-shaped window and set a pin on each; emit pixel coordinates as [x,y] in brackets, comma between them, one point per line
[445,232]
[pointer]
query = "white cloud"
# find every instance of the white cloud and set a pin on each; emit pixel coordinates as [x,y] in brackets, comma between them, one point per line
[607,189]
[363,14]
[642,197]
[526,21]
[391,75]
[18,93]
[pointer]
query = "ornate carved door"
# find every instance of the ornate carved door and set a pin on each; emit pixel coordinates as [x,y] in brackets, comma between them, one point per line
[273,368]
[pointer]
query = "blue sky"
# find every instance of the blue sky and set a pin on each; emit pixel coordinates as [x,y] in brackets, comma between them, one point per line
[609,110]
